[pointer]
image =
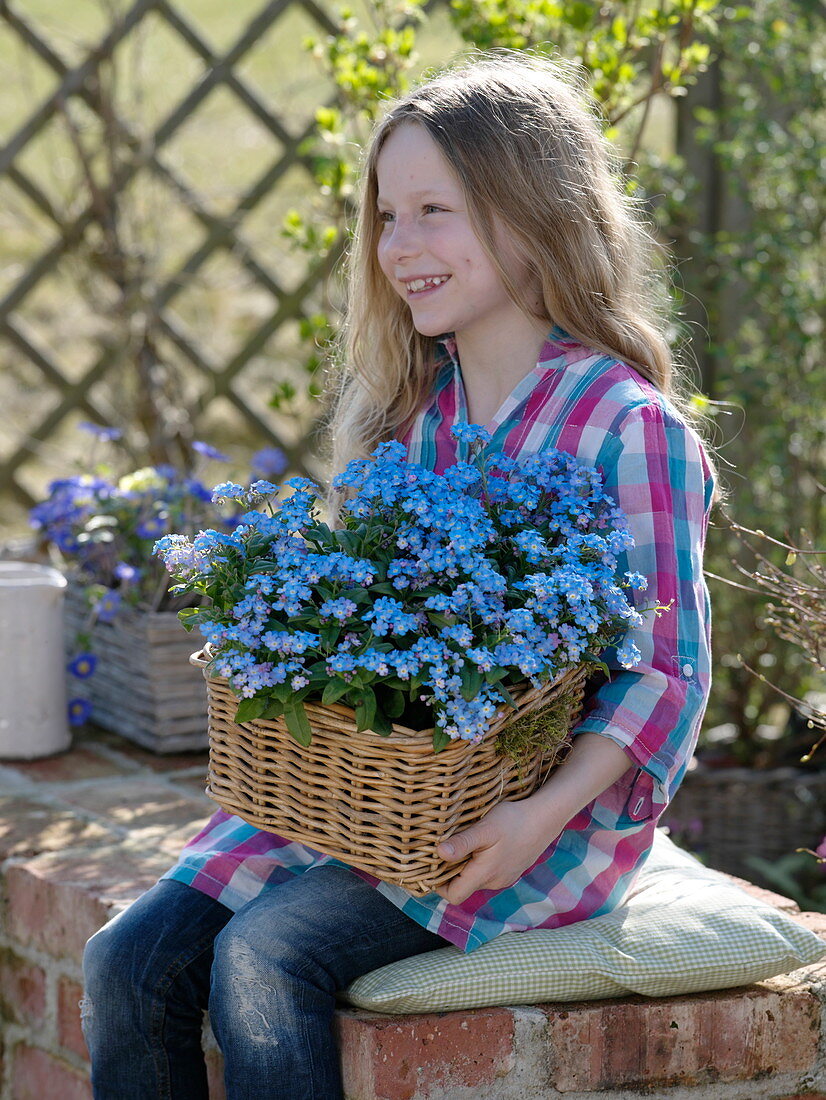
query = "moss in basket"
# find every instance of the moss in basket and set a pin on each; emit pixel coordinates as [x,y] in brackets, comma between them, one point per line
[537,731]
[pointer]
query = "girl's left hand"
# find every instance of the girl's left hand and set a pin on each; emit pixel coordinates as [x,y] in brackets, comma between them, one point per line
[506,842]
[512,837]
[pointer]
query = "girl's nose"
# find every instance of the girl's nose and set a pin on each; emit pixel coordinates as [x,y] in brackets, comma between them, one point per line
[401,240]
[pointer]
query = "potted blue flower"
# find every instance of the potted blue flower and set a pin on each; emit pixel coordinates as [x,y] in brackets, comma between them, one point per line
[100,528]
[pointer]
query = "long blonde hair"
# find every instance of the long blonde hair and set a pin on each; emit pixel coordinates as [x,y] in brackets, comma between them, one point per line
[529,153]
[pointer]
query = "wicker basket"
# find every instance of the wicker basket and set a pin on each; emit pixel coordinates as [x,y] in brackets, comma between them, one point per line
[380,804]
[730,814]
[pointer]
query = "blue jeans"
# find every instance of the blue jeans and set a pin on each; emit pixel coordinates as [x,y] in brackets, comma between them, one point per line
[268,975]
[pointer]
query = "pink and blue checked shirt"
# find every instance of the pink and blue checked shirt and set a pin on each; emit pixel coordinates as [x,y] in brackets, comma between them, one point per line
[608,416]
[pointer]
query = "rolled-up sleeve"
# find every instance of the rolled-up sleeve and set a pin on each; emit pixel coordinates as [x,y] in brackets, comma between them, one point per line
[655,467]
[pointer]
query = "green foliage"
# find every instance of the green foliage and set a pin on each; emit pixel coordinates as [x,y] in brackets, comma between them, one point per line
[800,875]
[761,278]
[367,68]
[630,51]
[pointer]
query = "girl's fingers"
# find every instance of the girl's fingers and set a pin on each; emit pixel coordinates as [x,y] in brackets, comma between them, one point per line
[479,874]
[458,890]
[459,846]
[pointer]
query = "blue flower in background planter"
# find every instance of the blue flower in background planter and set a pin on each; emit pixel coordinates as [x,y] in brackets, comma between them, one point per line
[83,665]
[107,606]
[209,451]
[152,527]
[269,462]
[79,711]
[102,524]
[99,525]
[127,574]
[107,434]
[197,490]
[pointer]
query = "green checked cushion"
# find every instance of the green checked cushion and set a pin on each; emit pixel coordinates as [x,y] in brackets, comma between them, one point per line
[683,929]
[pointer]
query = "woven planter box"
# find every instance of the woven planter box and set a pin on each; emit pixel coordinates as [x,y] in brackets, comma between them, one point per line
[380,804]
[143,687]
[733,813]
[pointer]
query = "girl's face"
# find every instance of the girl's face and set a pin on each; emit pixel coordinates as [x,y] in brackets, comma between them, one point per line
[427,249]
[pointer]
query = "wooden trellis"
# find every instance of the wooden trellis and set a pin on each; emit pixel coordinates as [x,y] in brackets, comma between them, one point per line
[223,232]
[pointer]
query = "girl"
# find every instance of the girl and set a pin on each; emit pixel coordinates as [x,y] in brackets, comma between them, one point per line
[498,277]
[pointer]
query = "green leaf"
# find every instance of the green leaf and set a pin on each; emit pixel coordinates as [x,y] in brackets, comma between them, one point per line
[298,724]
[381,724]
[189,617]
[357,595]
[282,693]
[472,681]
[329,635]
[250,709]
[265,565]
[440,620]
[365,709]
[506,695]
[599,665]
[440,739]
[320,535]
[274,710]
[416,681]
[393,705]
[348,540]
[334,690]
[396,683]
[384,588]
[497,673]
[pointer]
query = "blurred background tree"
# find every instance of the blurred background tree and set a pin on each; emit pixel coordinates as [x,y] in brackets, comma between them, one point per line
[751,246]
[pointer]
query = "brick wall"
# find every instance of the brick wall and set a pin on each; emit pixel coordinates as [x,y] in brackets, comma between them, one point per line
[81,834]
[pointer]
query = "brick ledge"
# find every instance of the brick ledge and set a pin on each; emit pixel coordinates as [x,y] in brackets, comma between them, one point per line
[84,833]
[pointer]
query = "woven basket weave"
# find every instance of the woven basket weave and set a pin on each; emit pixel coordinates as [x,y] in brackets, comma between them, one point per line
[143,687]
[380,804]
[730,814]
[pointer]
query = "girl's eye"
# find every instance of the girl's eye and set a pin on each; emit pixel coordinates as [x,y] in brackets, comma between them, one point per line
[385,216]
[430,208]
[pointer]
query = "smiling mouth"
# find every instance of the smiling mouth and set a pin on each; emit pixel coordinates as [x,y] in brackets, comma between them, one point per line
[419,286]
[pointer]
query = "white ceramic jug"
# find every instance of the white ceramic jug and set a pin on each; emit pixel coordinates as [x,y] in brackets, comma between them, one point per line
[33,716]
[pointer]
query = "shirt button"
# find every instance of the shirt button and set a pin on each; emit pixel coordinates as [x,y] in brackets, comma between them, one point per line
[688,669]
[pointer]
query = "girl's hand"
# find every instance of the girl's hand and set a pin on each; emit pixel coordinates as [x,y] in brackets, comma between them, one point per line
[513,835]
[506,842]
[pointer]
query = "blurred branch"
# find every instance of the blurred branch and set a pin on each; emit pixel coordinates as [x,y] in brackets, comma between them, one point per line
[799,613]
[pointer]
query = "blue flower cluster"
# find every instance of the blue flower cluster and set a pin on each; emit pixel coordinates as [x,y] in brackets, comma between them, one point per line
[104,528]
[436,589]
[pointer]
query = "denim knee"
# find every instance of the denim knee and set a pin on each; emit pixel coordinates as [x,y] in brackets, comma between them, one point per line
[272,945]
[134,958]
[113,979]
[108,960]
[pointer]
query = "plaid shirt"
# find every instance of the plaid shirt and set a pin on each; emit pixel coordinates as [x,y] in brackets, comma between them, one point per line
[603,412]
